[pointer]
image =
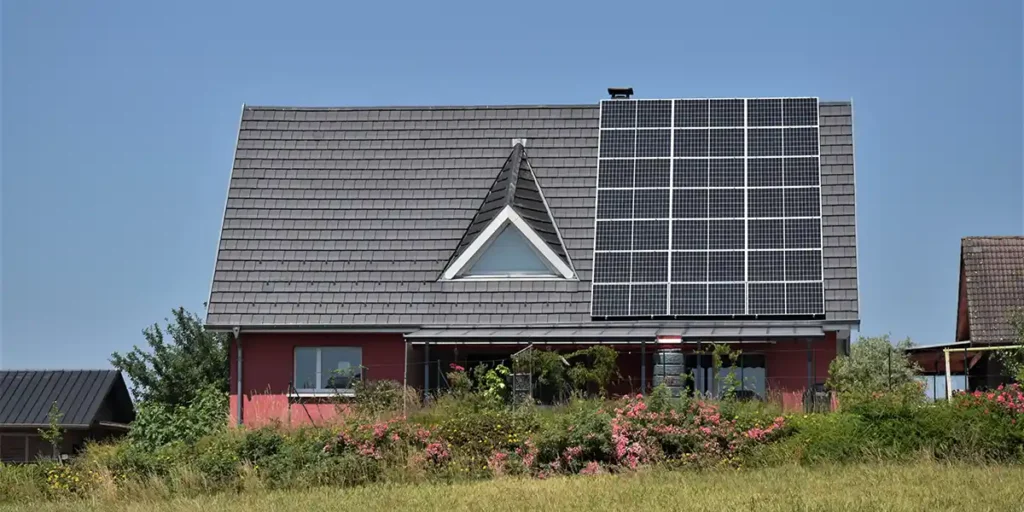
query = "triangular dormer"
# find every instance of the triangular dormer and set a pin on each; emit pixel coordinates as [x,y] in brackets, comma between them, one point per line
[512,235]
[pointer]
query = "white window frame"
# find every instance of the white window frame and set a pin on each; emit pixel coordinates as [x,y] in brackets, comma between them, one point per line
[508,218]
[322,392]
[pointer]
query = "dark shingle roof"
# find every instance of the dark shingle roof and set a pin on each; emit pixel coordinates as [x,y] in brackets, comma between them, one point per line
[347,216]
[516,186]
[26,397]
[994,271]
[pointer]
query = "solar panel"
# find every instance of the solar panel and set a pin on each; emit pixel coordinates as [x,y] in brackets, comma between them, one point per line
[708,207]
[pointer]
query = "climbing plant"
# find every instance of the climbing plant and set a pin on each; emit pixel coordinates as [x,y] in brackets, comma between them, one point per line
[593,366]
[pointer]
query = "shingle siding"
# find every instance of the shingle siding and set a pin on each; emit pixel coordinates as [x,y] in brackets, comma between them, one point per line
[349,216]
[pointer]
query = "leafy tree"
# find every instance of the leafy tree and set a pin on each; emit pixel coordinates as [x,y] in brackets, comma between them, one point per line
[54,434]
[173,372]
[874,366]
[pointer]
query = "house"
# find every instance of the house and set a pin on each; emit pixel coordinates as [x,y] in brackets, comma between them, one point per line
[990,293]
[388,243]
[94,405]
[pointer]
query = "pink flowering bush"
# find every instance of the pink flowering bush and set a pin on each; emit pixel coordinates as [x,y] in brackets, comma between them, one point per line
[592,468]
[696,435]
[1006,400]
[632,435]
[459,383]
[395,437]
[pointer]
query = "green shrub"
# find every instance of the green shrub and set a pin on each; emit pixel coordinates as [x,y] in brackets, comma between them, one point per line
[259,444]
[481,432]
[746,413]
[583,423]
[218,457]
[375,397]
[888,429]
[298,457]
[157,424]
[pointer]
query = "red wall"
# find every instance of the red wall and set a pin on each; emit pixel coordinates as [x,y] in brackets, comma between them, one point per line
[268,361]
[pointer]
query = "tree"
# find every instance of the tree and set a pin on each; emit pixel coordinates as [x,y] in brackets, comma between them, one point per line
[874,365]
[173,372]
[54,434]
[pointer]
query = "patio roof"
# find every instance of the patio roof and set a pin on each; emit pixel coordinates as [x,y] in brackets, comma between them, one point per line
[707,332]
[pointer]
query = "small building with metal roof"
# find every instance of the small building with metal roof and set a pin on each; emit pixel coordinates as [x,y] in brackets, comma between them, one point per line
[91,405]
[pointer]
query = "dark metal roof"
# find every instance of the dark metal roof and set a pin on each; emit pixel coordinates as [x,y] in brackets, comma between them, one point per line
[346,217]
[26,397]
[517,187]
[993,269]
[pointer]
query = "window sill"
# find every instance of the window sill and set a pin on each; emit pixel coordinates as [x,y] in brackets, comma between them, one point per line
[343,393]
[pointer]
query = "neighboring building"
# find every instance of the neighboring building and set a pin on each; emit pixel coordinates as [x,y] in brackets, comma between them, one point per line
[990,293]
[95,405]
[402,239]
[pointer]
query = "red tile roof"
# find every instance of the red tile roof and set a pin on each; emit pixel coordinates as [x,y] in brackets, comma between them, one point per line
[994,268]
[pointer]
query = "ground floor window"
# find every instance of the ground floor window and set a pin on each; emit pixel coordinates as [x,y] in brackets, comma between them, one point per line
[327,369]
[747,375]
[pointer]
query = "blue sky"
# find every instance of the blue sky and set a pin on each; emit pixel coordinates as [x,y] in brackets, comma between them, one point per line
[119,121]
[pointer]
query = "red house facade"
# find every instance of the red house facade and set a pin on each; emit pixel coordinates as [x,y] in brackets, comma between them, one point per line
[388,243]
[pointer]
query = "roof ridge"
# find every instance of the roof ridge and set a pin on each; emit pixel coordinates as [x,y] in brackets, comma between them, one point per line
[313,108]
[516,159]
[420,107]
[993,237]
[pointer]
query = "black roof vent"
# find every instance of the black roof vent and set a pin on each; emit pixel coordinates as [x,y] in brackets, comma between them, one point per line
[619,93]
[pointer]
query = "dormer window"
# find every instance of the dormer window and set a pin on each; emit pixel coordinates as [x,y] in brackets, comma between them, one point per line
[513,235]
[508,249]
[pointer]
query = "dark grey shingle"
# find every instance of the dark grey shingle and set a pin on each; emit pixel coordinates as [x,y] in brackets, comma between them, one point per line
[403,185]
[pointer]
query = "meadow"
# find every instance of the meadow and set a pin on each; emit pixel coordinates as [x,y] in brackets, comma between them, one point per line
[923,485]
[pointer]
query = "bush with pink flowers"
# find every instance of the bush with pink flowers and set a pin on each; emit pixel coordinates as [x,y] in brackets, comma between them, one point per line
[1004,400]
[629,434]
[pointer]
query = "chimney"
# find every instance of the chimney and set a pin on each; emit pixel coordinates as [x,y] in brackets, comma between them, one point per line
[620,93]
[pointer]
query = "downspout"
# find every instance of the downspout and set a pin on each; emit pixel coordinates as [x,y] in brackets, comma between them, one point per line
[405,374]
[238,362]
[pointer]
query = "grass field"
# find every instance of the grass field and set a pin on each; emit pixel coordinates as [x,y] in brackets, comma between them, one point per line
[924,486]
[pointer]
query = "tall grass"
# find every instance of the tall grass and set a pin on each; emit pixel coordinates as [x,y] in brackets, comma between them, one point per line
[919,486]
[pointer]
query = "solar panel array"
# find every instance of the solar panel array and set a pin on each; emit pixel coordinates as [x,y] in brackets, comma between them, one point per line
[708,207]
